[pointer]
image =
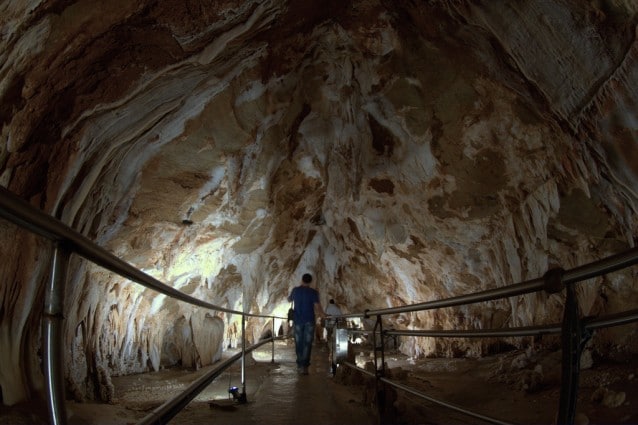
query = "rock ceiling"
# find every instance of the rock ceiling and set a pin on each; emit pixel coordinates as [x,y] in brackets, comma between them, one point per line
[401,151]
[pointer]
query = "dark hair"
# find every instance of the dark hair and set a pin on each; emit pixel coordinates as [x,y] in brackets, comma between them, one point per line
[332,301]
[306,278]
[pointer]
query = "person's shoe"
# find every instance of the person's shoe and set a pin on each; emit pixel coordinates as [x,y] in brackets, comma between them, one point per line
[305,371]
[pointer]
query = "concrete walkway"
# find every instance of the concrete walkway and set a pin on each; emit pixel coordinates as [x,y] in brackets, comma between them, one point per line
[280,396]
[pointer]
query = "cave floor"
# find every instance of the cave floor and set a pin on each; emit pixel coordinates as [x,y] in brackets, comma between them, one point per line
[276,394]
[506,387]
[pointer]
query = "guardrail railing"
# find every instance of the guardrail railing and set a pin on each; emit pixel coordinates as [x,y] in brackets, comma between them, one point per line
[575,330]
[68,241]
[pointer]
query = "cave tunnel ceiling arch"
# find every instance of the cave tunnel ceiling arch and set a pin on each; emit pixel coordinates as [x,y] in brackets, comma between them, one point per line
[399,151]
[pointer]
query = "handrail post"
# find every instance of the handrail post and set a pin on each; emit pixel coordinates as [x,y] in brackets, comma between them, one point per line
[52,322]
[379,372]
[272,358]
[242,396]
[574,336]
[379,347]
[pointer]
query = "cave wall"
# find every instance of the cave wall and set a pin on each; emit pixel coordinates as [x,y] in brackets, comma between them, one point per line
[401,152]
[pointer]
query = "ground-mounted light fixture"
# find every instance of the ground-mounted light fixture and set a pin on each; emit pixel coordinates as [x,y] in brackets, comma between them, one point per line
[237,396]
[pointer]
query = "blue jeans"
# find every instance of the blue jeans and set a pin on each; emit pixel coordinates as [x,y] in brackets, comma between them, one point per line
[304,335]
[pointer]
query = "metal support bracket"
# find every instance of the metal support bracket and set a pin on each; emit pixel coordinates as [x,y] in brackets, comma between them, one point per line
[379,348]
[52,333]
[379,372]
[574,337]
[242,396]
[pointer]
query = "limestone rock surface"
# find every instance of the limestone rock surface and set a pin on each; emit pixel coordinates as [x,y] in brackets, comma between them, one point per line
[399,151]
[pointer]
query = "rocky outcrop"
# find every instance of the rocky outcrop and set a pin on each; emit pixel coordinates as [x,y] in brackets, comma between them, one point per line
[400,152]
[193,344]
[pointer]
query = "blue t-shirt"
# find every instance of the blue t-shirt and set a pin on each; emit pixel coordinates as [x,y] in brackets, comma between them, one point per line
[304,299]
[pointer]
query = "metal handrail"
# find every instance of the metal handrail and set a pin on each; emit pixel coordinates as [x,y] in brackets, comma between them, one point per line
[481,333]
[590,323]
[20,212]
[522,288]
[616,319]
[603,266]
[67,241]
[575,331]
[577,274]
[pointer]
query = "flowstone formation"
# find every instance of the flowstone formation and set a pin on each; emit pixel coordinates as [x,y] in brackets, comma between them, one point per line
[400,152]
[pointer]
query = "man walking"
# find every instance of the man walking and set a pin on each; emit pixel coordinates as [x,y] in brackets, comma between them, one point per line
[305,302]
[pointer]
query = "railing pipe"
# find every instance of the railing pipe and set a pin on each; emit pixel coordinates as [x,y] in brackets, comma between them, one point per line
[20,212]
[52,331]
[616,319]
[358,331]
[590,323]
[577,274]
[351,315]
[487,295]
[428,398]
[482,333]
[603,266]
